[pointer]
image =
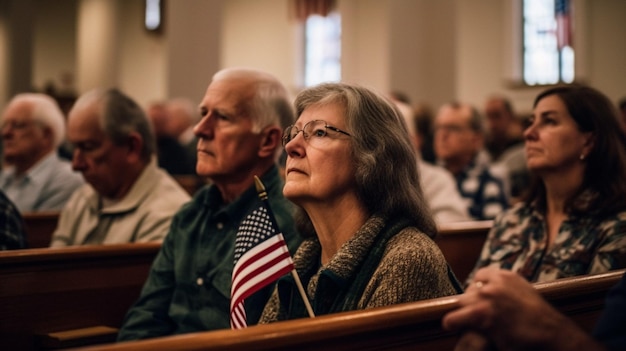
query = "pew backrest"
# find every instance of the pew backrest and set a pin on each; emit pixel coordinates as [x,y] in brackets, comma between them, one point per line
[461,243]
[51,290]
[39,227]
[411,326]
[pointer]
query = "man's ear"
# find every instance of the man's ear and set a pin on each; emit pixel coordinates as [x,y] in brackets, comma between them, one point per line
[48,135]
[135,146]
[271,139]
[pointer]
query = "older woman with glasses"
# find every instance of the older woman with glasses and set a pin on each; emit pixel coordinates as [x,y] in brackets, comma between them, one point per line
[351,170]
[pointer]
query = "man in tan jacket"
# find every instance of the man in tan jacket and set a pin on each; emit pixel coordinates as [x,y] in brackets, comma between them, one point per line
[127,198]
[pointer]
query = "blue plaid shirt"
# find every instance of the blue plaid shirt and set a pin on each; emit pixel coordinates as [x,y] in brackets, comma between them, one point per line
[483,192]
[11,228]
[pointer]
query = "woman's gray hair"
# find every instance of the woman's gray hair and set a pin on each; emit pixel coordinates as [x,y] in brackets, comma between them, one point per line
[386,163]
[120,116]
[46,112]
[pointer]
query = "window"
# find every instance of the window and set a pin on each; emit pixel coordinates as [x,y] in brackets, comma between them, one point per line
[322,49]
[548,56]
[153,15]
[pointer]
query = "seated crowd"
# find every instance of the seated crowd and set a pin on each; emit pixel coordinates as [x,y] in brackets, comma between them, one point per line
[356,203]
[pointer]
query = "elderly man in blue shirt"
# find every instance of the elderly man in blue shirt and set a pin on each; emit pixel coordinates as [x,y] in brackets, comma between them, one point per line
[33,176]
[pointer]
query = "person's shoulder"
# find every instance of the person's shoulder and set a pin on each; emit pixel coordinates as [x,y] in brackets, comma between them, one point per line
[85,191]
[4,173]
[514,213]
[433,173]
[412,253]
[520,207]
[80,200]
[63,174]
[615,224]
[195,205]
[169,190]
[413,236]
[412,242]
[6,205]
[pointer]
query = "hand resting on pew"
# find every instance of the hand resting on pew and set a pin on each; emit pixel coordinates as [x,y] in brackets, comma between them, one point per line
[501,310]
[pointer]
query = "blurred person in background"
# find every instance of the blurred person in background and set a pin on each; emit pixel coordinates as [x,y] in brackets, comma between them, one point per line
[33,175]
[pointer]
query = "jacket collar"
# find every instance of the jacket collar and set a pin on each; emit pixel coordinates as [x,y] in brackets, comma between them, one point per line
[143,186]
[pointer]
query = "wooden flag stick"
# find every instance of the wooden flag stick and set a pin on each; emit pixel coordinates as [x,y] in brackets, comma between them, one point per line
[260,189]
[296,277]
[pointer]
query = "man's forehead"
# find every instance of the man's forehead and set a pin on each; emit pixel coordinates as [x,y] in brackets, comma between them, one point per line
[84,121]
[226,95]
[18,110]
[457,114]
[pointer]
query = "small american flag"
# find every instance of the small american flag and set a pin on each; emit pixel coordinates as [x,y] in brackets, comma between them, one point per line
[261,257]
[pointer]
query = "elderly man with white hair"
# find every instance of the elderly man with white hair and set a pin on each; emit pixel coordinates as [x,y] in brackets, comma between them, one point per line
[33,176]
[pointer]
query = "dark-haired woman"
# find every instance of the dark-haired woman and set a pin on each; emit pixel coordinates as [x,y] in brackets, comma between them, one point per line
[573,219]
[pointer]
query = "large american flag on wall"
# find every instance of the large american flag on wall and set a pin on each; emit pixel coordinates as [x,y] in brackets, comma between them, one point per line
[261,257]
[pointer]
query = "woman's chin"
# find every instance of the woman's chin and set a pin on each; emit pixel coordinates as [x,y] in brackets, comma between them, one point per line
[293,194]
[290,192]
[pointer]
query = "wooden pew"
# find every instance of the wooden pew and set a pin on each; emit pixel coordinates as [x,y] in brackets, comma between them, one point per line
[461,243]
[51,290]
[411,326]
[39,227]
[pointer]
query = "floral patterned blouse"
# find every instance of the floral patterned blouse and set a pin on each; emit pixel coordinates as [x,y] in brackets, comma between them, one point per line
[585,244]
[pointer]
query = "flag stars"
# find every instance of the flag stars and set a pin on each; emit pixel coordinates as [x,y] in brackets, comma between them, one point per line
[255,228]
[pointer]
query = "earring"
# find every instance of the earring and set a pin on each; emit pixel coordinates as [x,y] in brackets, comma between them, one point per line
[582,157]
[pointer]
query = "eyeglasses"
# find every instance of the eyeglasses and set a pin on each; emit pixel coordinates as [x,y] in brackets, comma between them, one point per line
[314,132]
[16,125]
[451,128]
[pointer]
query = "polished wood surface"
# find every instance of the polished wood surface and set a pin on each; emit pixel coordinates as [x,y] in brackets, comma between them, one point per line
[52,290]
[411,326]
[39,227]
[461,243]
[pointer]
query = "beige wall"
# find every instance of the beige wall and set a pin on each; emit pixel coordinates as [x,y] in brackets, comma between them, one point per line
[54,49]
[424,61]
[192,62]
[259,34]
[606,50]
[142,59]
[365,43]
[433,50]
[98,38]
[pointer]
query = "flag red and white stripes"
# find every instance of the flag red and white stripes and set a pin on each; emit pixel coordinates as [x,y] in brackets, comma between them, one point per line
[261,257]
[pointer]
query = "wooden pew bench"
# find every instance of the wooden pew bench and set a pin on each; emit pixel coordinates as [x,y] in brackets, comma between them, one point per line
[461,243]
[53,290]
[411,326]
[39,227]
